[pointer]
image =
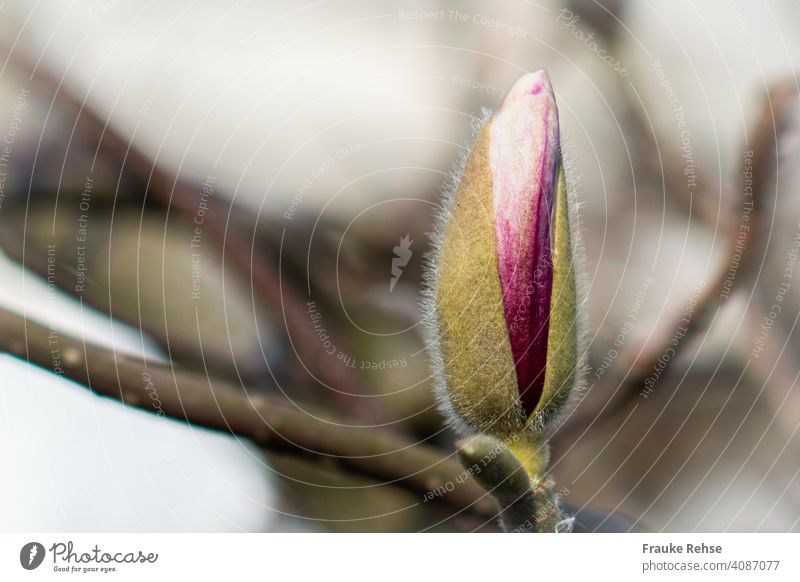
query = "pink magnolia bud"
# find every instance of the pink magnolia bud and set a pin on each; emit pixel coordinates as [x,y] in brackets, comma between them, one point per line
[503,298]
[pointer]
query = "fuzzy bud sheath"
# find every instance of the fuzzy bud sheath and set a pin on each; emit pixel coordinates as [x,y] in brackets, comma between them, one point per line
[504,307]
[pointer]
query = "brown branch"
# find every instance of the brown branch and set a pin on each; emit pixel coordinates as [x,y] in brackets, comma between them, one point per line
[697,202]
[635,368]
[232,228]
[269,422]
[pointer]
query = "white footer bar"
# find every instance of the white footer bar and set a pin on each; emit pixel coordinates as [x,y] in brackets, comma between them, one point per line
[379,557]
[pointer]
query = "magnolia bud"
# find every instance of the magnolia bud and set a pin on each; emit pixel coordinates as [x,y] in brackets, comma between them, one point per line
[503,299]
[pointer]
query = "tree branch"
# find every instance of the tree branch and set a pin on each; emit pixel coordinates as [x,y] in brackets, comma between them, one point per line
[635,367]
[267,421]
[233,229]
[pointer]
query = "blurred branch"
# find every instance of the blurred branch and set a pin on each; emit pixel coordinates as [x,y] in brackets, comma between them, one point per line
[202,401]
[602,15]
[233,228]
[697,202]
[634,366]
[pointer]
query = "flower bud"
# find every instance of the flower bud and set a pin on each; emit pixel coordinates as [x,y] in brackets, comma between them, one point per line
[503,298]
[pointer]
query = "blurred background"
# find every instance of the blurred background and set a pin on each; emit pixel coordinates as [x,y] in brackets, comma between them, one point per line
[144,145]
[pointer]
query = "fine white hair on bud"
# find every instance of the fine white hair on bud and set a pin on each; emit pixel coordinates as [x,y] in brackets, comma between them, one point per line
[504,303]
